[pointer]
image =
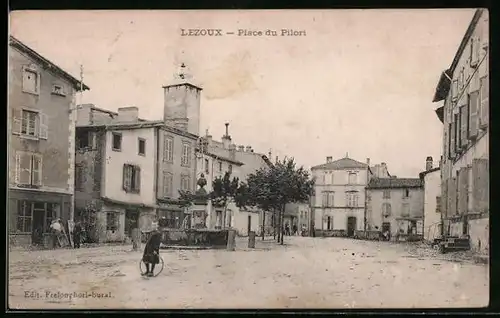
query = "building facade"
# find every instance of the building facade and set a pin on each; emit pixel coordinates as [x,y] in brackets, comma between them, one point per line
[395,205]
[130,171]
[41,127]
[431,178]
[464,90]
[339,203]
[214,160]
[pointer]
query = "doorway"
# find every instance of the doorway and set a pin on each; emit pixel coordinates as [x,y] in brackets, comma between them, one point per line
[131,220]
[38,223]
[249,224]
[351,225]
[386,227]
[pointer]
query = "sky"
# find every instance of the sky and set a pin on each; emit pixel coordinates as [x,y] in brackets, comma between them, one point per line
[359,82]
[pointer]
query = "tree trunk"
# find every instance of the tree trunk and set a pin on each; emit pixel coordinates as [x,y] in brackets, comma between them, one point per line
[282,228]
[274,224]
[263,224]
[278,227]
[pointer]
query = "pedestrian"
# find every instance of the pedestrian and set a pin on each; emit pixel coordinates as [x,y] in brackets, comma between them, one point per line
[77,234]
[295,229]
[287,229]
[151,255]
[56,229]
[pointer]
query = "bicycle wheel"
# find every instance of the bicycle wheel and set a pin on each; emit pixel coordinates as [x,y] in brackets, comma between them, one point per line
[158,267]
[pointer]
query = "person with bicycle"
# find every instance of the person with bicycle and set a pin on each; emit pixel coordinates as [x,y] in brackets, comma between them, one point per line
[151,255]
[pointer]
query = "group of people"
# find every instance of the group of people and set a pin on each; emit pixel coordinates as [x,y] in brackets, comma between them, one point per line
[294,230]
[59,233]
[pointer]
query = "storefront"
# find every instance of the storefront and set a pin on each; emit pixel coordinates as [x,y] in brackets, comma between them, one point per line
[31,213]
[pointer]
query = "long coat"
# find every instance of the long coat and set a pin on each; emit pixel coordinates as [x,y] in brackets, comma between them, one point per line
[152,245]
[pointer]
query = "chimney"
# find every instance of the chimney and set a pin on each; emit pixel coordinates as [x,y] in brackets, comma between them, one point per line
[226,139]
[428,163]
[241,148]
[128,114]
[368,161]
[329,159]
[249,149]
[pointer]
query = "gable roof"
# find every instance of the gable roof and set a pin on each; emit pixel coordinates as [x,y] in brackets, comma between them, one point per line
[423,173]
[344,163]
[392,183]
[46,63]
[444,83]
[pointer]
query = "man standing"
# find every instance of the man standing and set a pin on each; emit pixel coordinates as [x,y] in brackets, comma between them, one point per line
[56,229]
[77,234]
[151,255]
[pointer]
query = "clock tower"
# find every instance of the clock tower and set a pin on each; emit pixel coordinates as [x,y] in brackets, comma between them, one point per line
[182,103]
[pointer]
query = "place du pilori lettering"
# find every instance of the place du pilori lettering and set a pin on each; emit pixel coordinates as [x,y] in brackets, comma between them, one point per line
[241,32]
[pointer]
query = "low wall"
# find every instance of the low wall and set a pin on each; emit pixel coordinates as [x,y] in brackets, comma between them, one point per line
[194,237]
[368,235]
[330,233]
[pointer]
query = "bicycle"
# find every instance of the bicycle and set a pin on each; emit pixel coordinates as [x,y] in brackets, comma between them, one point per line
[158,267]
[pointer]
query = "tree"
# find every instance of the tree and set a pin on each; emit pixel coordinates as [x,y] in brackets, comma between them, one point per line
[225,190]
[281,184]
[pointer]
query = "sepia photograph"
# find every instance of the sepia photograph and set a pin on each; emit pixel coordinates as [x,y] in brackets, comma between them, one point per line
[248,159]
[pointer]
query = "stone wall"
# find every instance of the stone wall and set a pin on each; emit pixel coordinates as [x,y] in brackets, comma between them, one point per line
[195,237]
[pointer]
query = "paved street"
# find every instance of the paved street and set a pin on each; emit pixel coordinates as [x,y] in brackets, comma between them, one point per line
[306,273]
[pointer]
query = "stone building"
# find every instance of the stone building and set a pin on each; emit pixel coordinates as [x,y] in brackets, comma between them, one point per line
[463,88]
[395,205]
[130,170]
[41,126]
[215,158]
[431,178]
[339,201]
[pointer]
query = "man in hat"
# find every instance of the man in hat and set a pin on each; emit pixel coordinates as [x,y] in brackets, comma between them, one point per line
[151,255]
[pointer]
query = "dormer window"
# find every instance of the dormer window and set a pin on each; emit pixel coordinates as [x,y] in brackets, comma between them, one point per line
[58,90]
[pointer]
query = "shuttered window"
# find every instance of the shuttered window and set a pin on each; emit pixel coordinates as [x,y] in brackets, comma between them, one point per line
[168,149]
[28,169]
[484,100]
[438,204]
[473,114]
[452,196]
[444,198]
[464,126]
[450,141]
[456,144]
[167,184]
[463,190]
[131,178]
[186,155]
[480,190]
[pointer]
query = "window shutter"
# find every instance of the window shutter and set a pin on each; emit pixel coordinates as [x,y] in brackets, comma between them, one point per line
[454,89]
[37,171]
[438,204]
[452,200]
[484,102]
[452,138]
[17,119]
[25,168]
[463,190]
[137,172]
[44,126]
[127,177]
[18,169]
[473,111]
[444,198]
[480,190]
[464,123]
